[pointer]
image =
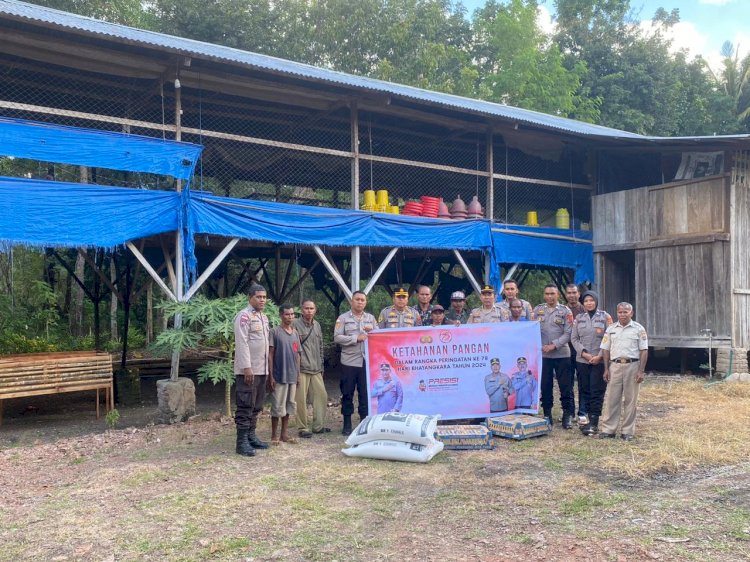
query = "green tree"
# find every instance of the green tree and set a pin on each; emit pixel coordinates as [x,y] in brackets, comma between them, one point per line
[642,86]
[521,67]
[734,78]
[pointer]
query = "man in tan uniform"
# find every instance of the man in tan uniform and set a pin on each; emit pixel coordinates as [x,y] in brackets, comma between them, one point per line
[489,312]
[625,351]
[310,383]
[250,369]
[399,315]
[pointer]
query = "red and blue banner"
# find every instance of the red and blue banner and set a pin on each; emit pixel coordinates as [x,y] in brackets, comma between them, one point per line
[467,371]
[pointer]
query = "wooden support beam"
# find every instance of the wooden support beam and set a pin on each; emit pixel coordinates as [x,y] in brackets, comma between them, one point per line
[211,268]
[147,266]
[301,280]
[467,272]
[85,255]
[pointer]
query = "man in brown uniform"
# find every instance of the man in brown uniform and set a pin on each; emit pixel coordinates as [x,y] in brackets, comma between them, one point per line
[625,351]
[489,312]
[399,315]
[250,369]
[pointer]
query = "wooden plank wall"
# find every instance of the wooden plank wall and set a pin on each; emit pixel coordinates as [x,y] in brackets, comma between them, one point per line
[620,217]
[693,208]
[740,220]
[680,278]
[635,217]
[682,290]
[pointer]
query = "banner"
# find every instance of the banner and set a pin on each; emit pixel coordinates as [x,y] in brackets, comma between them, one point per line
[468,371]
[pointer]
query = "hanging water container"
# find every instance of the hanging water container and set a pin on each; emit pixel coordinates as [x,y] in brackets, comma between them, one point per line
[562,219]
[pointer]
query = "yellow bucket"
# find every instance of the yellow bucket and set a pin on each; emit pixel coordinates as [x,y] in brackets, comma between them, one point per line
[562,219]
[382,198]
[532,219]
[369,198]
[395,210]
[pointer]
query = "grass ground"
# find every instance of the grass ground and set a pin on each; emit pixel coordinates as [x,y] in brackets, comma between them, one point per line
[680,491]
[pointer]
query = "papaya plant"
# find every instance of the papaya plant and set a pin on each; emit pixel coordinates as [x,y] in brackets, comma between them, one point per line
[208,328]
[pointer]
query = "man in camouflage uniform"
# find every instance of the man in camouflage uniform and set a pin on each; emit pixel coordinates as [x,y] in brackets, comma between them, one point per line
[489,312]
[457,313]
[399,315]
[556,322]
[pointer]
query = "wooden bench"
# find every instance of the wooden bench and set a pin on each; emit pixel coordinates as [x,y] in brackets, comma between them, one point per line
[35,374]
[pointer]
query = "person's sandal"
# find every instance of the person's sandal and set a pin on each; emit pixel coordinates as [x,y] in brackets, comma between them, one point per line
[323,430]
[305,434]
[290,440]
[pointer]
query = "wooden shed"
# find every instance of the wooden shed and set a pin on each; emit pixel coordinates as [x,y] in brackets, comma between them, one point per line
[677,249]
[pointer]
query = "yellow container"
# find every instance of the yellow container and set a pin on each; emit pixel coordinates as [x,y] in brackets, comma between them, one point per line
[369,198]
[382,198]
[532,219]
[395,210]
[562,219]
[382,208]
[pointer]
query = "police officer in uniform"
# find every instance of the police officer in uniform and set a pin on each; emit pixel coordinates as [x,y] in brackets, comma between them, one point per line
[399,315]
[523,383]
[556,323]
[624,351]
[498,387]
[350,333]
[586,337]
[251,333]
[489,312]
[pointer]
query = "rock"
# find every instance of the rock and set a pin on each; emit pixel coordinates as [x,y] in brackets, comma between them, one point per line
[176,400]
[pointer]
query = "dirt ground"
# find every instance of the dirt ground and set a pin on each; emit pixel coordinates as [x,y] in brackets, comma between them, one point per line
[70,489]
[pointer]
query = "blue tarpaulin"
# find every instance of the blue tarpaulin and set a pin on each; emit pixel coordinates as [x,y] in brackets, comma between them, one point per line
[297,224]
[98,149]
[49,213]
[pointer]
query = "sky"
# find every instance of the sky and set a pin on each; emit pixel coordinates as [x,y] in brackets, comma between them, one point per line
[703,28]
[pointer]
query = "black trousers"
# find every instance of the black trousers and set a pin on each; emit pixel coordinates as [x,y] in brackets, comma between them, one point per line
[249,399]
[557,369]
[353,378]
[591,388]
[576,374]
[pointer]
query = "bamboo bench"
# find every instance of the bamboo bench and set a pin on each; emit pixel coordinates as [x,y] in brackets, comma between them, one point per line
[35,374]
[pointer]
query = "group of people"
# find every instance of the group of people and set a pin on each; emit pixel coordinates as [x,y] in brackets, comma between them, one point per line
[285,361]
[578,337]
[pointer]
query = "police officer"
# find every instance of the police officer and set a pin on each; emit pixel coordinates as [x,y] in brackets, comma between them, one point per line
[586,337]
[523,383]
[350,333]
[399,315]
[573,302]
[457,314]
[556,324]
[489,312]
[498,387]
[510,292]
[624,351]
[251,332]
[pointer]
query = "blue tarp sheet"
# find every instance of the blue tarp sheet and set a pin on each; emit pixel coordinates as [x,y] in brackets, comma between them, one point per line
[48,213]
[519,244]
[297,224]
[98,149]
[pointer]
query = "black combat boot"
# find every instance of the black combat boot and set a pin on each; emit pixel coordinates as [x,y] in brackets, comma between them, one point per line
[567,421]
[347,429]
[254,442]
[548,417]
[243,447]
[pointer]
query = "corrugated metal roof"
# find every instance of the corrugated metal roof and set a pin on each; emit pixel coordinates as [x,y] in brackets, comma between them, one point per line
[217,52]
